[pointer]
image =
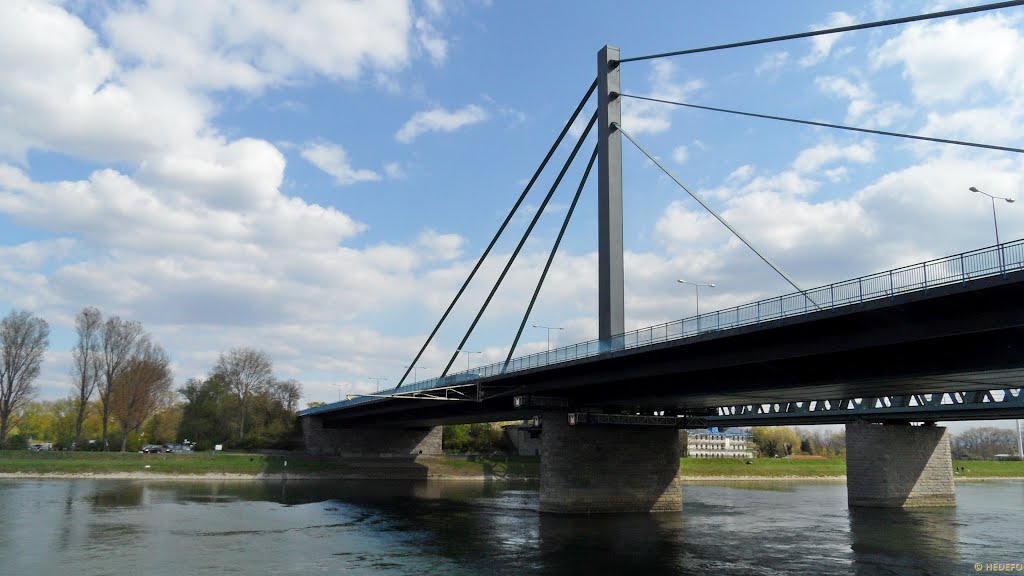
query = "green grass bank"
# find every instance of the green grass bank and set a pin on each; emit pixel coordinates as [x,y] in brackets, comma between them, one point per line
[255,465]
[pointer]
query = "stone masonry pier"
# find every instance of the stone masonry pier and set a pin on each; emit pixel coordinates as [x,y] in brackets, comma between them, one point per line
[898,466]
[600,469]
[361,442]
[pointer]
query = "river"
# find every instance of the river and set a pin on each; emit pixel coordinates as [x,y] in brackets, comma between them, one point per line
[109,527]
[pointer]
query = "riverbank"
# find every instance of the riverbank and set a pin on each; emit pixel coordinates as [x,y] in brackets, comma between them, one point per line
[229,466]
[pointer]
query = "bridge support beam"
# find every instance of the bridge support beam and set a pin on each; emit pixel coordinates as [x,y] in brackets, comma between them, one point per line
[367,442]
[898,466]
[602,469]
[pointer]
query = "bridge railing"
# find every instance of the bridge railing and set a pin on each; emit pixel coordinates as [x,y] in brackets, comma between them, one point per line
[954,269]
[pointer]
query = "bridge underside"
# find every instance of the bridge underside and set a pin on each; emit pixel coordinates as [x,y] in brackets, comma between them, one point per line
[963,337]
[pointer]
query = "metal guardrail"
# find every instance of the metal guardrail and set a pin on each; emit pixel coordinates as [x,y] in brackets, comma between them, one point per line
[958,268]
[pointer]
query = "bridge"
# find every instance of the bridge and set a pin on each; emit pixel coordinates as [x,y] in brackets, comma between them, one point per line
[938,340]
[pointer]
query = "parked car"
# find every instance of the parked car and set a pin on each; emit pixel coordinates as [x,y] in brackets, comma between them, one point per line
[151,449]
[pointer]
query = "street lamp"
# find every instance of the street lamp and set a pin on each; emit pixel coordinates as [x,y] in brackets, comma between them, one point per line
[414,368]
[696,292]
[377,380]
[995,223]
[467,353]
[549,329]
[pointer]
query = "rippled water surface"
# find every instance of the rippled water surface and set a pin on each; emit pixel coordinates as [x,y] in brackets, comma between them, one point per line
[84,527]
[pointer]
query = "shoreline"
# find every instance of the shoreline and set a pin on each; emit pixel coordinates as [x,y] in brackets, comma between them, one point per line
[211,477]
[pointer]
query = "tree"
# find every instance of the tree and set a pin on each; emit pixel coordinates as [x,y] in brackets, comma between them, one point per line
[247,372]
[204,417]
[141,388]
[773,441]
[985,442]
[88,362]
[119,343]
[24,339]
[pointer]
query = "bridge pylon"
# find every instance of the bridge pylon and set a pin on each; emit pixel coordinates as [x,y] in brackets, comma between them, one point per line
[611,313]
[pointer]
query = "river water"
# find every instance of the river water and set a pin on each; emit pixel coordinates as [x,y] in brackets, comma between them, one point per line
[109,527]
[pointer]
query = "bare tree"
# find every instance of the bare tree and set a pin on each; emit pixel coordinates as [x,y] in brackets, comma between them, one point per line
[142,388]
[247,372]
[287,393]
[119,343]
[984,442]
[24,339]
[88,362]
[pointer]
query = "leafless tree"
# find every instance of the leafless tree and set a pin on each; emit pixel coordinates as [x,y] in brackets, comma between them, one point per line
[287,393]
[142,388]
[247,372]
[88,362]
[984,442]
[24,339]
[119,342]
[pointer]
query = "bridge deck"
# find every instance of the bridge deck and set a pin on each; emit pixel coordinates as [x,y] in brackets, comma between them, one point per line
[955,323]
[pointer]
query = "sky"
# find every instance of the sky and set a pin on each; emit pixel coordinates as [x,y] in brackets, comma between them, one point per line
[316,178]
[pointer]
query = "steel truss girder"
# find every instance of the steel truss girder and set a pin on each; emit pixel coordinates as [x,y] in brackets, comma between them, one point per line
[456,393]
[581,418]
[969,405]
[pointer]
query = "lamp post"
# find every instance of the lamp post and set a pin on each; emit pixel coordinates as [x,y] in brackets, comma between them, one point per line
[995,223]
[414,369]
[467,353]
[378,381]
[696,294]
[549,329]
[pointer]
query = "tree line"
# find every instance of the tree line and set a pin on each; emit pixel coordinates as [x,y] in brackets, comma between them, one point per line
[782,441]
[980,443]
[241,404]
[121,384]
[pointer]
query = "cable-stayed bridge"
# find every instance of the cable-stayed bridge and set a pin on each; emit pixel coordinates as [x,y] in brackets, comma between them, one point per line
[937,340]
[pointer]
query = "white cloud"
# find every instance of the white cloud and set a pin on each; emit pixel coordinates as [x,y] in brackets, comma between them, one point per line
[680,154]
[332,159]
[394,171]
[437,246]
[252,43]
[811,159]
[440,120]
[772,62]
[822,45]
[432,41]
[643,116]
[864,110]
[946,60]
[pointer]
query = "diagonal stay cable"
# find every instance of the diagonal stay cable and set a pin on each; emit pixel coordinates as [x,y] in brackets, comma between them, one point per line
[828,125]
[522,241]
[501,229]
[551,258]
[717,216]
[851,28]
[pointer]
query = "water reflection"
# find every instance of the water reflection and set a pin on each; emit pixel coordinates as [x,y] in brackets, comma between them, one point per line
[416,527]
[118,495]
[905,541]
[611,544]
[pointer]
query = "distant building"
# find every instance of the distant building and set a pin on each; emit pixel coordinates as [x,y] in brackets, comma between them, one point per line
[714,443]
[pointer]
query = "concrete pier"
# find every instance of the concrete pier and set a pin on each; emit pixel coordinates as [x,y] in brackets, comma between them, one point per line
[361,442]
[601,469]
[898,466]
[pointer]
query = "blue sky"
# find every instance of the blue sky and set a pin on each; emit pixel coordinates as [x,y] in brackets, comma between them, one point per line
[316,178]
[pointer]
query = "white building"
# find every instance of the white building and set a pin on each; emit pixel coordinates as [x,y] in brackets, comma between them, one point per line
[714,443]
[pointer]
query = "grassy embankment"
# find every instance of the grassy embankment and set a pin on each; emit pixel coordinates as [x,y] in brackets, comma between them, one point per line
[72,463]
[23,461]
[764,467]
